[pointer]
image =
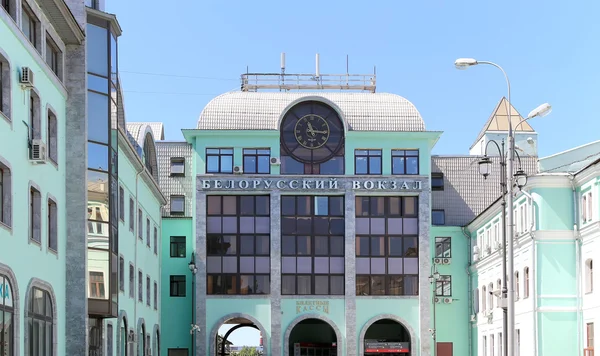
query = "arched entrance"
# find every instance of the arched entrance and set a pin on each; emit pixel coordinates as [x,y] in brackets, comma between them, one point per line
[220,344]
[312,336]
[386,336]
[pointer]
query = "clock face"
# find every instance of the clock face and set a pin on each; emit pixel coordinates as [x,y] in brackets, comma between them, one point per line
[312,131]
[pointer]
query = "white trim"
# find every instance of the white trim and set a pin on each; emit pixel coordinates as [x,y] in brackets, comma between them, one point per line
[548,181]
[586,174]
[554,235]
[557,296]
[557,309]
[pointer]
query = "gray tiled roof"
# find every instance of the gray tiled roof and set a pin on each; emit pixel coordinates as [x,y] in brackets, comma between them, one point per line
[175,185]
[466,194]
[262,110]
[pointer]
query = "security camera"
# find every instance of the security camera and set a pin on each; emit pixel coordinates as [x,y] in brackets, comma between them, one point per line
[530,140]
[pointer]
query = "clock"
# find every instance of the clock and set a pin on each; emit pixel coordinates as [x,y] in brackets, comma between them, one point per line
[312,131]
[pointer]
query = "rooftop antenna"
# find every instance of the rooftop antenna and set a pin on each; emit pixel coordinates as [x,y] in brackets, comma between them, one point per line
[317,72]
[347,70]
[282,69]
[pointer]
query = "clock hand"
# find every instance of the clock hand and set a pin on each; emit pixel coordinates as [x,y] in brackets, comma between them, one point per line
[320,132]
[310,129]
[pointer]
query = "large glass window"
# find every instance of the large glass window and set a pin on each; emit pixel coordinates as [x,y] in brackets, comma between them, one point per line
[367,162]
[443,247]
[7,327]
[219,160]
[40,323]
[52,226]
[387,246]
[312,245]
[35,215]
[30,26]
[97,50]
[177,286]
[178,246]
[52,55]
[405,162]
[443,286]
[238,244]
[257,160]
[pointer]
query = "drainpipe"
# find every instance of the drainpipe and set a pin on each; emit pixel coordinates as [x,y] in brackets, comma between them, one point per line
[471,305]
[533,273]
[135,248]
[578,267]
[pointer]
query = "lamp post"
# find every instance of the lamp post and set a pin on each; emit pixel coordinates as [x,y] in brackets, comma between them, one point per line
[433,278]
[192,267]
[542,110]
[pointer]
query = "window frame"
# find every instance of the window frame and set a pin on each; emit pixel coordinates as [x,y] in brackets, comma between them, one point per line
[148,231]
[441,283]
[52,215]
[98,284]
[447,242]
[177,197]
[122,274]
[155,240]
[35,121]
[131,213]
[35,214]
[178,281]
[140,290]
[52,136]
[155,295]
[56,54]
[148,291]
[402,154]
[131,281]
[177,244]
[525,282]
[436,177]
[5,194]
[220,153]
[8,346]
[443,212]
[176,161]
[369,154]
[589,276]
[46,318]
[5,87]
[34,26]
[256,154]
[121,203]
[140,231]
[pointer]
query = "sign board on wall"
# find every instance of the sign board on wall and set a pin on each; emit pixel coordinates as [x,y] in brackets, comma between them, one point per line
[310,184]
[312,306]
[5,292]
[381,346]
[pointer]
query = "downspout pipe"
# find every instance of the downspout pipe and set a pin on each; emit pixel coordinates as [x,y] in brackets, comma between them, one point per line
[533,272]
[579,264]
[470,302]
[135,249]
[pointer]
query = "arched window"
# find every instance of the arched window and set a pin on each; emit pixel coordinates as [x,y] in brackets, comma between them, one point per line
[142,341]
[40,321]
[476,301]
[147,155]
[526,282]
[483,296]
[517,285]
[7,312]
[123,338]
[589,276]
[491,295]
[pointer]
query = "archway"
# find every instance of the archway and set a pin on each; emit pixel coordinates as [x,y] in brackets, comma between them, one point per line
[386,336]
[220,342]
[312,336]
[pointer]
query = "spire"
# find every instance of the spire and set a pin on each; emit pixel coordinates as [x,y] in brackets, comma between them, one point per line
[498,121]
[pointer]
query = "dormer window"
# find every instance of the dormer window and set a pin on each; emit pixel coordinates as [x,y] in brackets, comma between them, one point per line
[177,166]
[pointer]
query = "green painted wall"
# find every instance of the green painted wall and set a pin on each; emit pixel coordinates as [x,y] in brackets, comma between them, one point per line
[557,334]
[554,208]
[556,268]
[14,241]
[177,315]
[459,312]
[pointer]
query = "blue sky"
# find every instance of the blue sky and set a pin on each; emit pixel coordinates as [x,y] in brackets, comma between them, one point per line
[548,48]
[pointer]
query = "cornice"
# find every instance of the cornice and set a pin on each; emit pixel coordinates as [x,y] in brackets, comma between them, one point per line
[548,181]
[587,174]
[112,19]
[138,164]
[590,229]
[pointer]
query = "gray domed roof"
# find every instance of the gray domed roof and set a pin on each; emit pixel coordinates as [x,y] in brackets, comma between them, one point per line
[263,110]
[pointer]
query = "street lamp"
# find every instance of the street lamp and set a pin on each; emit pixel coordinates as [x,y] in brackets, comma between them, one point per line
[194,328]
[521,178]
[433,278]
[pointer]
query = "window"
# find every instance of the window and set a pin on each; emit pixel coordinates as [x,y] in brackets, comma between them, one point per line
[109,340]
[522,218]
[177,205]
[219,160]
[500,344]
[30,26]
[5,195]
[483,297]
[437,181]
[492,345]
[97,290]
[476,300]
[491,296]
[438,217]
[52,137]
[53,56]
[52,226]
[35,215]
[517,285]
[155,295]
[7,313]
[587,203]
[131,281]
[257,160]
[121,204]
[5,87]
[488,239]
[155,240]
[442,247]
[92,3]
[387,248]
[177,166]
[526,282]
[518,351]
[443,286]
[367,162]
[178,246]
[177,352]
[140,286]
[148,300]
[148,232]
[484,346]
[312,245]
[121,274]
[589,276]
[131,214]
[405,162]
[40,323]
[35,123]
[140,225]
[589,328]
[238,244]
[177,287]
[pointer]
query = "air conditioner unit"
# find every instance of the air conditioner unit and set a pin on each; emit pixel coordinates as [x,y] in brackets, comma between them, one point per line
[437,261]
[275,161]
[27,77]
[447,300]
[473,318]
[38,152]
[437,300]
[446,261]
[238,170]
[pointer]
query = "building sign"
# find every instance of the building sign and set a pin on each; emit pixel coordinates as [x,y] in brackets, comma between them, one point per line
[311,184]
[384,347]
[311,306]
[5,292]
